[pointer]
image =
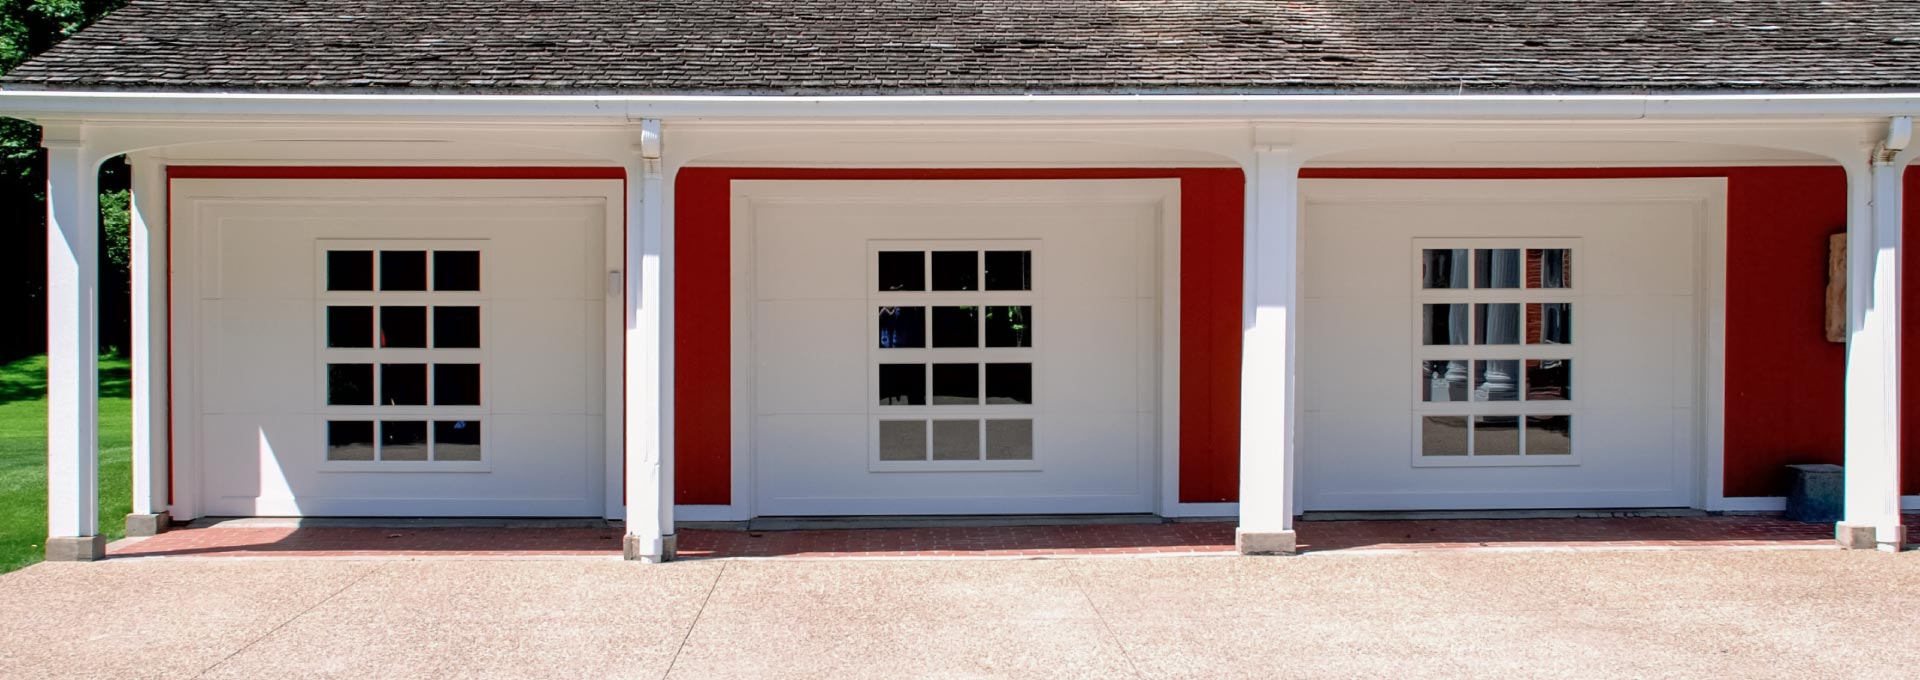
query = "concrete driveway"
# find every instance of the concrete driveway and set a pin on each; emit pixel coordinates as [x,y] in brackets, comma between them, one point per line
[1647,614]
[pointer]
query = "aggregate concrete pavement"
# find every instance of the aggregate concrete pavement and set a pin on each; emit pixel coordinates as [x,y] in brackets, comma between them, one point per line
[1550,614]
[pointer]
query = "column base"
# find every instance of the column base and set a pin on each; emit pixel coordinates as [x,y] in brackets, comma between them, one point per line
[76,548]
[148,525]
[1870,537]
[637,549]
[1264,542]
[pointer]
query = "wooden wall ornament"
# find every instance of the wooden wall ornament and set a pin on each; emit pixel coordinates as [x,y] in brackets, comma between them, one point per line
[1837,287]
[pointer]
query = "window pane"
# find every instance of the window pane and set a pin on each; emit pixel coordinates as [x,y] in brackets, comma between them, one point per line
[350,440]
[956,440]
[456,327]
[1496,324]
[956,327]
[1444,324]
[1009,270]
[349,384]
[1443,268]
[403,270]
[349,326]
[403,327]
[903,440]
[903,327]
[1497,380]
[956,270]
[1496,436]
[1550,323]
[349,270]
[903,384]
[1009,440]
[456,270]
[1496,268]
[1549,380]
[1443,436]
[403,440]
[1549,268]
[1009,384]
[1010,326]
[903,270]
[456,440]
[403,384]
[1443,380]
[1549,435]
[456,384]
[956,384]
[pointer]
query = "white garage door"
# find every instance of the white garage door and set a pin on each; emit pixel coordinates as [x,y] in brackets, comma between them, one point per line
[1474,345]
[919,355]
[380,351]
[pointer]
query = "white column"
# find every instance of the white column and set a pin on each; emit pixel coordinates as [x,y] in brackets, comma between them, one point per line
[1872,507]
[151,423]
[1267,406]
[649,449]
[73,346]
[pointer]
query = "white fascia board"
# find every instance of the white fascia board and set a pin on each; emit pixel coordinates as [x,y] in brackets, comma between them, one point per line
[51,105]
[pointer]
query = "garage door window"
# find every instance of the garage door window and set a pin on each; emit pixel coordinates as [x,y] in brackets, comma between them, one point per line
[952,356]
[402,358]
[1495,352]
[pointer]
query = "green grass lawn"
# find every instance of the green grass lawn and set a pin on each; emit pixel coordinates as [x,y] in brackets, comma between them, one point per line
[23,456]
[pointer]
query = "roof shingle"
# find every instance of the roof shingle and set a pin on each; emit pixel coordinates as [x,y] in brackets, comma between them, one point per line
[988,46]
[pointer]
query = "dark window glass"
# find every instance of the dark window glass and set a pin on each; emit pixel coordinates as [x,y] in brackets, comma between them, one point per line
[1009,383]
[903,270]
[1010,326]
[1444,268]
[1496,268]
[1550,323]
[1009,270]
[349,326]
[349,270]
[903,384]
[1496,324]
[456,384]
[902,327]
[956,270]
[349,384]
[403,270]
[456,270]
[456,327]
[1444,324]
[956,327]
[1549,380]
[403,440]
[350,440]
[403,327]
[456,440]
[956,384]
[403,384]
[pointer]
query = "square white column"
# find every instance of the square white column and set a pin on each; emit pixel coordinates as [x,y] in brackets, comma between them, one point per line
[149,308]
[1267,407]
[649,465]
[1872,505]
[73,346]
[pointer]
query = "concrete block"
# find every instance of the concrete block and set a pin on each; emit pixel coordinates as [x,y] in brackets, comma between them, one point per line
[148,525]
[1816,493]
[1870,537]
[76,548]
[637,549]
[1264,542]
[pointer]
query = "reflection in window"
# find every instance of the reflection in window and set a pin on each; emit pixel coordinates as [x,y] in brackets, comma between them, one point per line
[1009,270]
[956,384]
[1549,380]
[349,384]
[1010,439]
[1496,268]
[1444,268]
[1444,324]
[1549,268]
[903,270]
[1010,326]
[456,384]
[456,440]
[1443,380]
[1443,436]
[903,440]
[1496,324]
[456,270]
[956,327]
[456,327]
[1496,380]
[903,327]
[350,440]
[956,440]
[956,270]
[1496,436]
[403,440]
[403,327]
[403,384]
[349,270]
[1550,435]
[349,327]
[403,270]
[1550,323]
[903,384]
[1009,384]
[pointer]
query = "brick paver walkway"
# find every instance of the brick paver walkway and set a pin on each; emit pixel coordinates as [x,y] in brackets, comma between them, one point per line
[1122,539]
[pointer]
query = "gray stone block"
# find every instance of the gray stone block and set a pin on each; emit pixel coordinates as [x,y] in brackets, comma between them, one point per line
[1816,493]
[76,548]
[148,525]
[634,548]
[1265,542]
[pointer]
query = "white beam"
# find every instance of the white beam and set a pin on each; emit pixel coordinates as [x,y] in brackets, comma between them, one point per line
[648,450]
[1872,505]
[1267,405]
[73,345]
[151,424]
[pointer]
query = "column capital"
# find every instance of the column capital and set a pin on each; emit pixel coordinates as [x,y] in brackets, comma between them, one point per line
[62,135]
[1899,137]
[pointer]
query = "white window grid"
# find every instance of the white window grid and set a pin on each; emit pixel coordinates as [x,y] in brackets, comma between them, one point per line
[1472,352]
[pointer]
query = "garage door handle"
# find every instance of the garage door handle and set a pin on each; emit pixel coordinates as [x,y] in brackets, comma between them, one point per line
[614,281]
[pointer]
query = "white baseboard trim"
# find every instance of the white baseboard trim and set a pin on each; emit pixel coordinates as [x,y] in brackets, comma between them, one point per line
[1205,510]
[1749,504]
[1910,502]
[704,513]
